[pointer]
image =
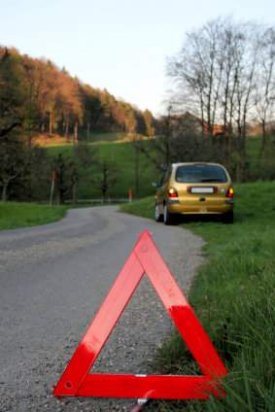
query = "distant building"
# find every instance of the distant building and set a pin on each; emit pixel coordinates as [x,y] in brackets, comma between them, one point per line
[189,121]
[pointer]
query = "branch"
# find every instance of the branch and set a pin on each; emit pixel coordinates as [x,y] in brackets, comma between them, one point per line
[4,132]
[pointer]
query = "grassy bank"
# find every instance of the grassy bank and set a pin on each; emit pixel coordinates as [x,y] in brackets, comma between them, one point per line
[14,215]
[234,298]
[129,169]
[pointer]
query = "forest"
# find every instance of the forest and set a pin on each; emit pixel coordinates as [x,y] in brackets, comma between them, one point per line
[39,99]
[42,98]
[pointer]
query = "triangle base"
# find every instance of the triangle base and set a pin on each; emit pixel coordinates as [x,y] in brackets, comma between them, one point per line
[145,387]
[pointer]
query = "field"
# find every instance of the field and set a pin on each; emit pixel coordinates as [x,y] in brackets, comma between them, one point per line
[45,140]
[130,169]
[233,295]
[14,215]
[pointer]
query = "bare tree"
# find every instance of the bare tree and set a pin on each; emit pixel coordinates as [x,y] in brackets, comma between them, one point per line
[265,90]
[217,72]
[106,179]
[198,70]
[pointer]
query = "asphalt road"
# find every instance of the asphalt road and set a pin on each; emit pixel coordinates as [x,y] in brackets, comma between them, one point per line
[53,279]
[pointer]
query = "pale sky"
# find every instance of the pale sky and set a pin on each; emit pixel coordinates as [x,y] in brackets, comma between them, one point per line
[119,45]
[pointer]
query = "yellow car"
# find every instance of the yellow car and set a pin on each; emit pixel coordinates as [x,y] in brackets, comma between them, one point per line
[194,189]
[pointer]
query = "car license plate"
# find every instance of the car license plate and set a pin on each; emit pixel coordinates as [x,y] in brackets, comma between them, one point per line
[202,190]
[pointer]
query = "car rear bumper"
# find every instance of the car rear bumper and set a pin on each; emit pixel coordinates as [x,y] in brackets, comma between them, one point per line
[200,208]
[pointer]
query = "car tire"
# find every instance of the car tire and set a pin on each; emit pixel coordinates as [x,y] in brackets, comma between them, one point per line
[228,217]
[158,215]
[168,217]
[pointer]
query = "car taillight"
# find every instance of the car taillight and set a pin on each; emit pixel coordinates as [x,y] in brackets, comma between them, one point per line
[230,193]
[172,192]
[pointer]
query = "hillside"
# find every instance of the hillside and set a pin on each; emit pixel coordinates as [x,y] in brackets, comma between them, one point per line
[43,99]
[45,140]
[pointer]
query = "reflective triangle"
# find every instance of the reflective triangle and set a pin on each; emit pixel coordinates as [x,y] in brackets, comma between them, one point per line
[76,380]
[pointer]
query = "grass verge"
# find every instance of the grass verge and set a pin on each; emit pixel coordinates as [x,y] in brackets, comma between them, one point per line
[233,296]
[14,215]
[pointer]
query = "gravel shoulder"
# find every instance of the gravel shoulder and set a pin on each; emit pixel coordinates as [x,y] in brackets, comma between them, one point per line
[53,279]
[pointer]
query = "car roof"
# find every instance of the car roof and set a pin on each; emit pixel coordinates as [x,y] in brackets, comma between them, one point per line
[196,163]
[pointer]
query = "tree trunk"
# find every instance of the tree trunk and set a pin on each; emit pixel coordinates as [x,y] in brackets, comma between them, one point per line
[88,130]
[76,132]
[51,123]
[74,193]
[202,113]
[264,138]
[52,187]
[4,191]
[67,127]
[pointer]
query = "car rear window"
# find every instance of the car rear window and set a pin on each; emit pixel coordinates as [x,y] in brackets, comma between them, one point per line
[200,173]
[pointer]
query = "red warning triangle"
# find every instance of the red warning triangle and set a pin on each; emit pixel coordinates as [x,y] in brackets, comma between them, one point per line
[77,380]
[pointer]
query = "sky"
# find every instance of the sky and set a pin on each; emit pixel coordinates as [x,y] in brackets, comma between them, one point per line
[122,46]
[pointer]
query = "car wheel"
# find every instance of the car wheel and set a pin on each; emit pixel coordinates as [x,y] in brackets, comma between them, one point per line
[228,217]
[158,215]
[167,216]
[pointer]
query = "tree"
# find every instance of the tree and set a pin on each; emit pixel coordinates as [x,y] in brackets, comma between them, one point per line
[83,158]
[149,123]
[92,108]
[265,85]
[36,95]
[216,73]
[159,150]
[69,106]
[106,179]
[70,171]
[12,165]
[31,113]
[12,92]
[34,183]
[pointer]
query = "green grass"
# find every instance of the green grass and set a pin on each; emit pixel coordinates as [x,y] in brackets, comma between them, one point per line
[106,137]
[121,158]
[143,207]
[14,215]
[261,165]
[233,295]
